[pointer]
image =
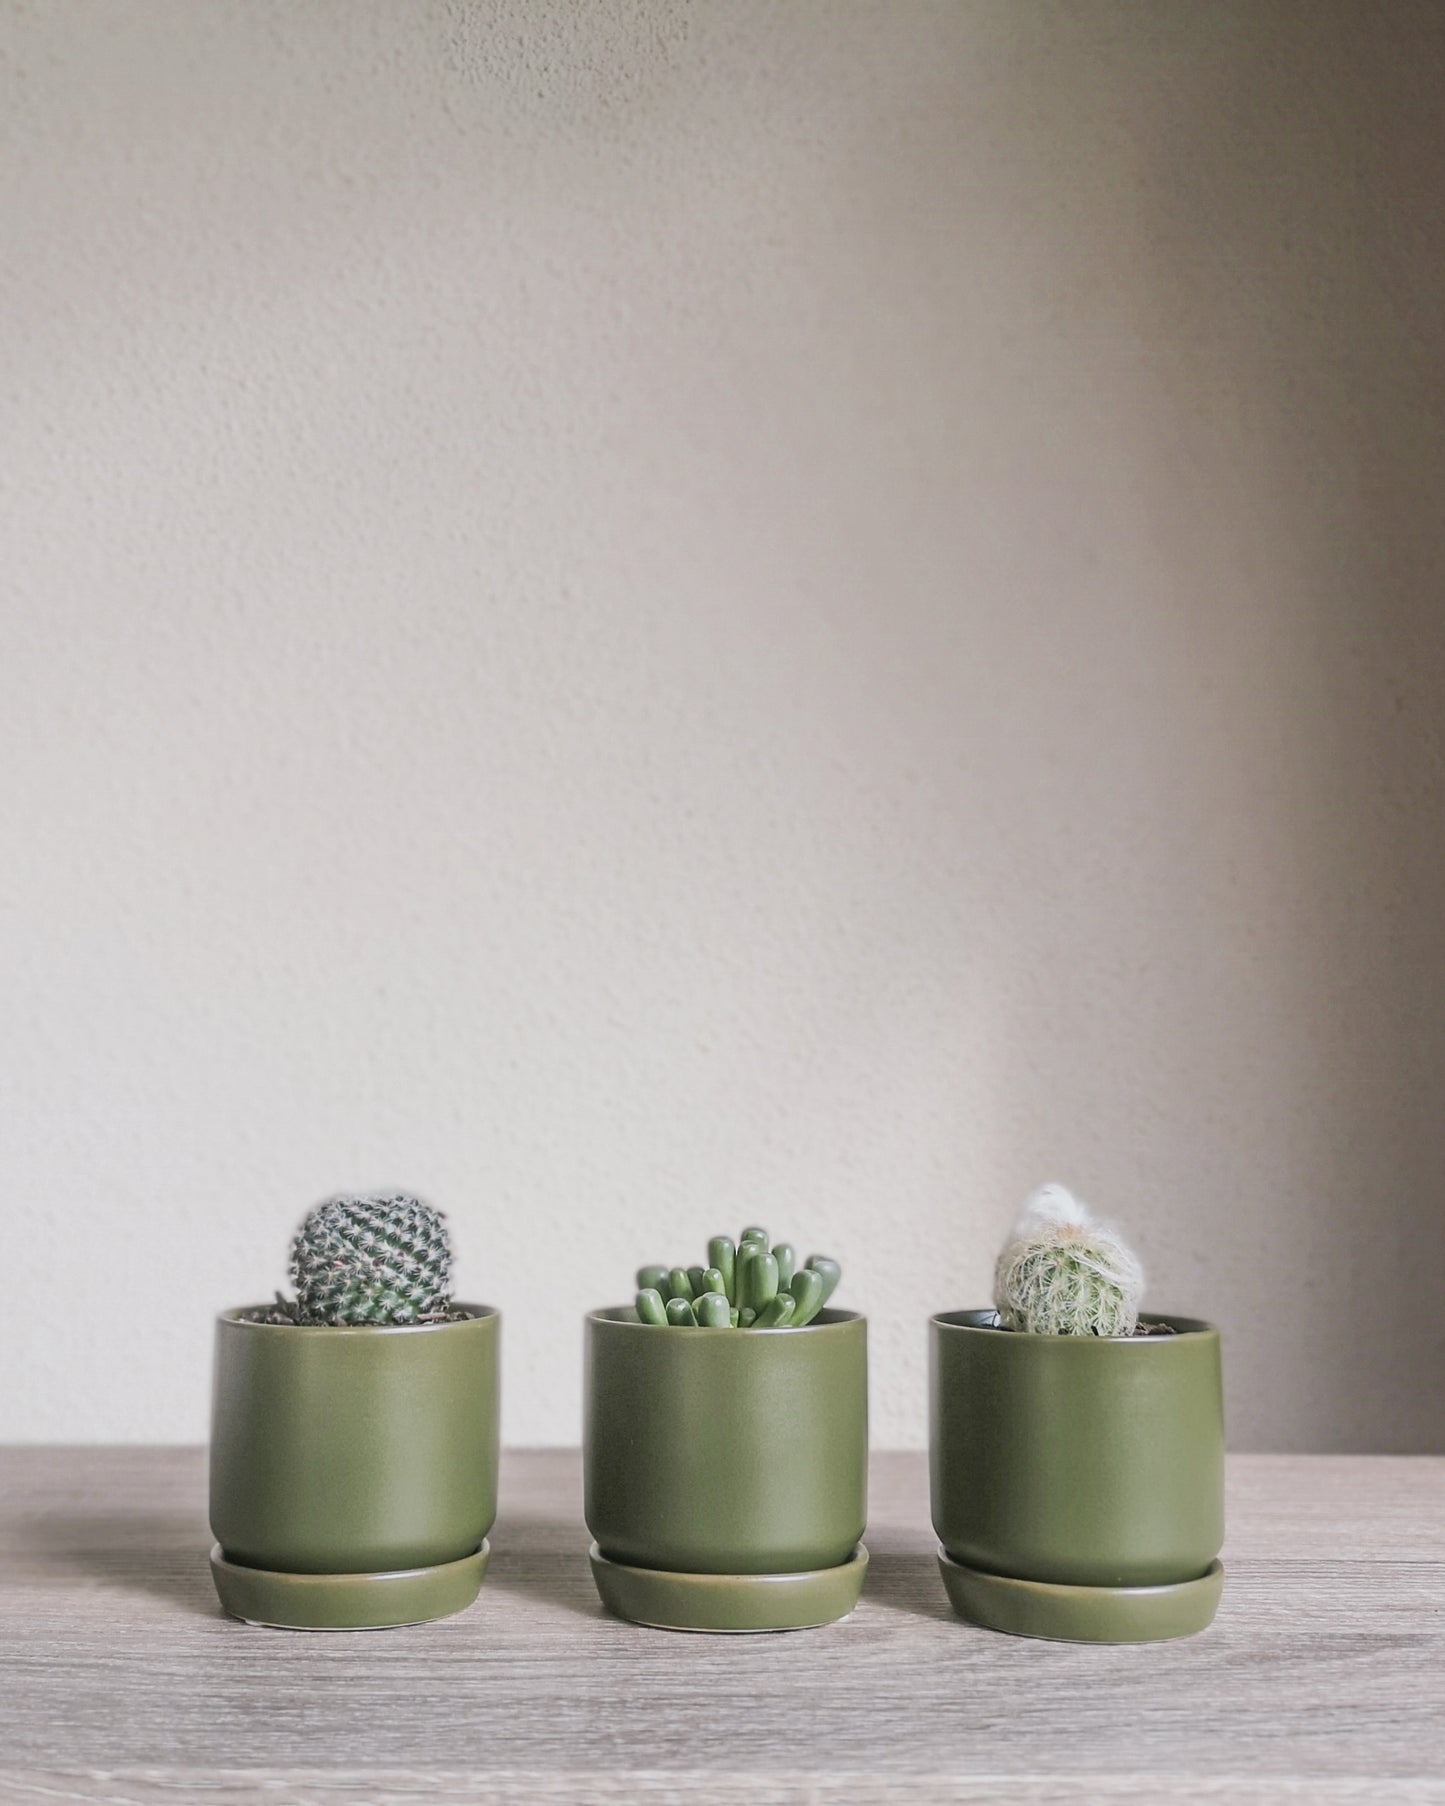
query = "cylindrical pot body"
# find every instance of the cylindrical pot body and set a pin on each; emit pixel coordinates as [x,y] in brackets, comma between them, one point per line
[1081,1460]
[354,1450]
[714,1451]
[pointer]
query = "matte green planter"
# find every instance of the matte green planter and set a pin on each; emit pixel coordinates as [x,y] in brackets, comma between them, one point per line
[1078,1481]
[353,1470]
[720,1463]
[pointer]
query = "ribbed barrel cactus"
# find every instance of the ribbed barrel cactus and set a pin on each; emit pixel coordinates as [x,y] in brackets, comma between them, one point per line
[1064,1273]
[372,1260]
[745,1285]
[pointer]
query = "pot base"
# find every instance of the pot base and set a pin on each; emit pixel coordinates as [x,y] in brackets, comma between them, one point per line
[666,1600]
[1039,1608]
[348,1601]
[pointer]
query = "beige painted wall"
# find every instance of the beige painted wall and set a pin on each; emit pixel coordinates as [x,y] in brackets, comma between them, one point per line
[646,615]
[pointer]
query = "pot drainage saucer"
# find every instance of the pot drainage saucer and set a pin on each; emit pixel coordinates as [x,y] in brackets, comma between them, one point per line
[1039,1608]
[348,1601]
[668,1600]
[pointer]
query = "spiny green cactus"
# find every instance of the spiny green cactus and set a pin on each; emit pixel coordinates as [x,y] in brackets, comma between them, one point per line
[1063,1273]
[372,1260]
[745,1285]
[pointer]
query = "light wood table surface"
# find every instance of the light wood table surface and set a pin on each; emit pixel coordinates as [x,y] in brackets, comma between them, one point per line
[1323,1678]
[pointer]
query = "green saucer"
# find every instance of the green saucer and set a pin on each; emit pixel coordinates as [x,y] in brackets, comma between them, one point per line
[1037,1608]
[729,1602]
[348,1601]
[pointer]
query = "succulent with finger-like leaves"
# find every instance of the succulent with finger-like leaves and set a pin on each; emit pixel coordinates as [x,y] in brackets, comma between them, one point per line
[745,1285]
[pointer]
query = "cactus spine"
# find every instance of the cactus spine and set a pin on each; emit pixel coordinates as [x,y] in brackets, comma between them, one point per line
[745,1285]
[1064,1273]
[372,1260]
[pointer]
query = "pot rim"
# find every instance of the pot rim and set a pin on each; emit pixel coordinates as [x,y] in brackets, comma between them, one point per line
[1186,1329]
[480,1313]
[624,1317]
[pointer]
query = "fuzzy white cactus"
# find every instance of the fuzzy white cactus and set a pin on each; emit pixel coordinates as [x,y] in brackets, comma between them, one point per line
[1064,1273]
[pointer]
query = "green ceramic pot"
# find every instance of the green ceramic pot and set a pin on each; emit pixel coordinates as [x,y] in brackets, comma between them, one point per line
[354,1467]
[735,1455]
[1078,1465]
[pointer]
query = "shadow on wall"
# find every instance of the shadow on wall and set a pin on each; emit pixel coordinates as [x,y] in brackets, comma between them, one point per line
[1199,536]
[1294,236]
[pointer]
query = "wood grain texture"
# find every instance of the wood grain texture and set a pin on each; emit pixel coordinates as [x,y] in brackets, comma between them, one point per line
[120,1681]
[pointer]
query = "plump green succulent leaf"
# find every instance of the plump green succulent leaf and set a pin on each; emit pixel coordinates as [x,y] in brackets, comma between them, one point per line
[722,1257]
[713,1311]
[651,1306]
[653,1279]
[757,1276]
[828,1271]
[807,1293]
[679,1285]
[786,1255]
[777,1313]
[680,1314]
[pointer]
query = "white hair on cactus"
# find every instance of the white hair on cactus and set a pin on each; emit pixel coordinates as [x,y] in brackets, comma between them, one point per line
[1051,1205]
[1064,1273]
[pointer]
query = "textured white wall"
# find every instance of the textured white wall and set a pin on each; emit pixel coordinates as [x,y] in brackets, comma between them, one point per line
[643,615]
